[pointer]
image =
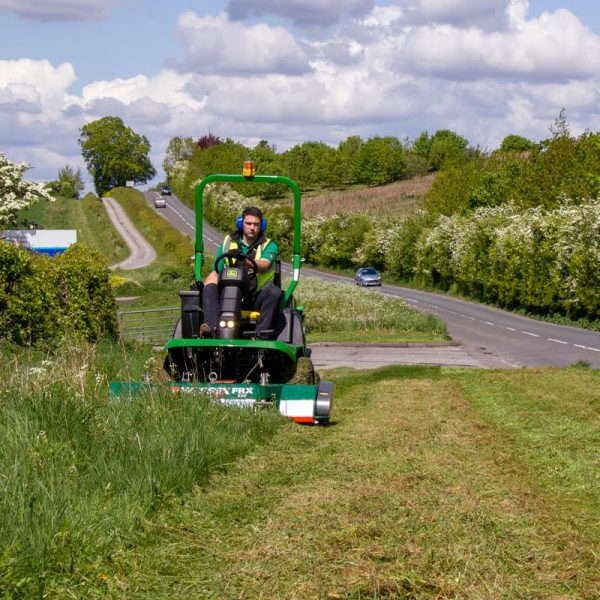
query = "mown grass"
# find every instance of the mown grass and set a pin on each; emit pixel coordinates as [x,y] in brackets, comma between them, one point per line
[433,483]
[80,473]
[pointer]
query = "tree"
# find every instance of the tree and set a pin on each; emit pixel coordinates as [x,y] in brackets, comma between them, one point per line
[179,149]
[69,183]
[560,129]
[422,145]
[115,154]
[516,143]
[16,194]
[446,146]
[379,160]
[206,141]
[347,152]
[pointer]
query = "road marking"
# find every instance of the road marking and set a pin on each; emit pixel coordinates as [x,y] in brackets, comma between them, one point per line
[181,217]
[580,346]
[531,334]
[488,323]
[510,328]
[594,349]
[557,341]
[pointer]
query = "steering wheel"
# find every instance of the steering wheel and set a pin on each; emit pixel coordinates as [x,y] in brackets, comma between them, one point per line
[237,256]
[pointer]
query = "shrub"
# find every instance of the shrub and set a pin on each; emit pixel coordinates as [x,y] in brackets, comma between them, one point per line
[341,236]
[43,298]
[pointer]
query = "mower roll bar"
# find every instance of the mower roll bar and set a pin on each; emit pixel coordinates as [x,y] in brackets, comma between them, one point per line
[290,183]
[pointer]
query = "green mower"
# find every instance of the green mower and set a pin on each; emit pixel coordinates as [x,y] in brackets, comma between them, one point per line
[235,366]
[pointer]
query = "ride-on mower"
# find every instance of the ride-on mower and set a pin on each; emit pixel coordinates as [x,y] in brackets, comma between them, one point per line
[236,366]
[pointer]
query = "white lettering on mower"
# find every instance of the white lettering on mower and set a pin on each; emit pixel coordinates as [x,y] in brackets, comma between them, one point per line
[239,395]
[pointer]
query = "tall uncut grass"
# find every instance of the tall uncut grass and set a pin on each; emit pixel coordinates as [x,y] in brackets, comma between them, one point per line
[80,472]
[334,308]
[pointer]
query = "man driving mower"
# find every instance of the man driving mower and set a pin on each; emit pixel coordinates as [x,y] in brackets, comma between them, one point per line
[248,240]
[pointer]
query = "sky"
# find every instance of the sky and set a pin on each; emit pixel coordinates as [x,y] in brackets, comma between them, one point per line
[290,71]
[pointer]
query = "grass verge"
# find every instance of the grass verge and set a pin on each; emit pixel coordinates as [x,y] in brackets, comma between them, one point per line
[429,485]
[81,474]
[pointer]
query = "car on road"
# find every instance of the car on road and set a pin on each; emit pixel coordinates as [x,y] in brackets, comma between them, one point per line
[165,190]
[160,202]
[367,276]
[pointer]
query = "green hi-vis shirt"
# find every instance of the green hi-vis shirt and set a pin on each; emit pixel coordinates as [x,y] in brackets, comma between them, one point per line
[269,253]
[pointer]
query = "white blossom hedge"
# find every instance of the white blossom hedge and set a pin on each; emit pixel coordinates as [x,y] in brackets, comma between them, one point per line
[543,260]
[16,193]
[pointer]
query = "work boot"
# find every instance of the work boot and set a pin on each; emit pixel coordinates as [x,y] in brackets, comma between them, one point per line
[206,331]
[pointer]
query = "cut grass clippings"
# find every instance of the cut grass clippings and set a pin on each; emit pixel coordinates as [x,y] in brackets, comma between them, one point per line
[429,485]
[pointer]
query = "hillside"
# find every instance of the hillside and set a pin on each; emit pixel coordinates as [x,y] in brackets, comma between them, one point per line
[398,198]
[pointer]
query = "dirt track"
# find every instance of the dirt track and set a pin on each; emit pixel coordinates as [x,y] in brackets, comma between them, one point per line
[142,253]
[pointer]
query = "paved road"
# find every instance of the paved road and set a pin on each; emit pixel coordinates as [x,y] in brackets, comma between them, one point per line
[485,336]
[141,252]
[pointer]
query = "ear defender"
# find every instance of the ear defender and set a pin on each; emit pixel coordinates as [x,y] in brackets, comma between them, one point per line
[239,224]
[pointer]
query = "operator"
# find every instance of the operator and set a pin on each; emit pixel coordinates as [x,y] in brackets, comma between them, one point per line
[265,295]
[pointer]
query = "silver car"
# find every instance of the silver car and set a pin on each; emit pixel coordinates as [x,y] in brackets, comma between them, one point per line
[160,202]
[367,276]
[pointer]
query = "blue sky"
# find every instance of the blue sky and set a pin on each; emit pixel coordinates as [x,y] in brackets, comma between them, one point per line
[291,70]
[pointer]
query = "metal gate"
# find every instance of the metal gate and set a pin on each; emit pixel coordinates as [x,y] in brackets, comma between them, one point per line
[153,325]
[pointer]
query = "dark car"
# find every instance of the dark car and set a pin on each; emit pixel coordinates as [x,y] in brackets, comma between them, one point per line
[165,190]
[367,276]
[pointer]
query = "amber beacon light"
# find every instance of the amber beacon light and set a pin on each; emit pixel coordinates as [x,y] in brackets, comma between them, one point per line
[249,169]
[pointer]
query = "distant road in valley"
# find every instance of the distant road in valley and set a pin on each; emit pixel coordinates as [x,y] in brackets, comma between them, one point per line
[491,337]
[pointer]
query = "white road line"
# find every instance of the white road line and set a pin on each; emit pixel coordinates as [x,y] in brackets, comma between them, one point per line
[510,328]
[557,341]
[181,217]
[488,323]
[594,349]
[580,346]
[531,334]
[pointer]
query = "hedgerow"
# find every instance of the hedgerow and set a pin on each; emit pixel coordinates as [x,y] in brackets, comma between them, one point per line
[544,260]
[43,298]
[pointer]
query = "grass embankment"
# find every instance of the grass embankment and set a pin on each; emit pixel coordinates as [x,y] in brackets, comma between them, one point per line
[433,483]
[339,312]
[88,216]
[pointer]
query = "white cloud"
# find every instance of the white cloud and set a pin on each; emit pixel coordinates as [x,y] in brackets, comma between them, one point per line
[35,81]
[217,45]
[300,12]
[48,10]
[554,47]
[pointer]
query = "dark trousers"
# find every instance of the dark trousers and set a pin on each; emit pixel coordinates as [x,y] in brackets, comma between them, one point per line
[265,301]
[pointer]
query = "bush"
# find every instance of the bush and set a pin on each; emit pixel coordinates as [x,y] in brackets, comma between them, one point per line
[341,236]
[44,298]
